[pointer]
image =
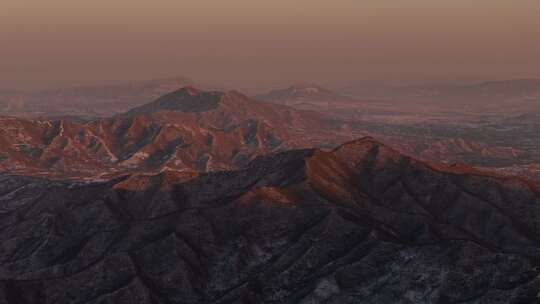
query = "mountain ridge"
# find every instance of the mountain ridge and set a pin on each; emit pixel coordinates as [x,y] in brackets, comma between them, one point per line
[360,223]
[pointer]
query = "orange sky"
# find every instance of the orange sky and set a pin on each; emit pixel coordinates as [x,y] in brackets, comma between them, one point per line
[259,42]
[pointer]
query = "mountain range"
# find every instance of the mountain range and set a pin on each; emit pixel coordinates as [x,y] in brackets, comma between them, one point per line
[215,197]
[359,224]
[192,129]
[187,129]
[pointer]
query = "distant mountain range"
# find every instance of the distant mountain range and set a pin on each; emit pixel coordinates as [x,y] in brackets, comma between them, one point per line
[107,100]
[303,93]
[192,129]
[187,129]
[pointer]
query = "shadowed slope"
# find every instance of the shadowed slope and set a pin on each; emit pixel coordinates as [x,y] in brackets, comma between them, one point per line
[359,224]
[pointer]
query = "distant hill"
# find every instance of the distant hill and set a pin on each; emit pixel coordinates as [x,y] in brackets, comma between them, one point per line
[303,93]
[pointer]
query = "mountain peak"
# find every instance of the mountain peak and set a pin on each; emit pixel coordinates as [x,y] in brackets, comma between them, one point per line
[189,90]
[187,99]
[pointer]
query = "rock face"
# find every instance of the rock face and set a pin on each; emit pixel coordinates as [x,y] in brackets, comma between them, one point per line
[359,224]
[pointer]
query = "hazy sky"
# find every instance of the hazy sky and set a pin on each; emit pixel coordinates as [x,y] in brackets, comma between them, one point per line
[259,42]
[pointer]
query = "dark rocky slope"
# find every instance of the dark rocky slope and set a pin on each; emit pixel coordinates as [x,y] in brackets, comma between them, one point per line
[360,224]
